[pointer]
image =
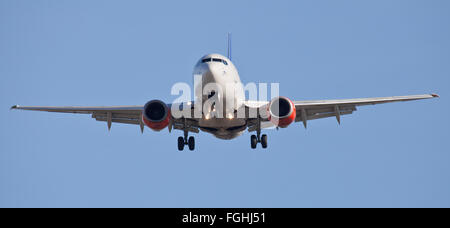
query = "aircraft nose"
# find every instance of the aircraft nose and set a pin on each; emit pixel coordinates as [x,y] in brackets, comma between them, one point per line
[212,74]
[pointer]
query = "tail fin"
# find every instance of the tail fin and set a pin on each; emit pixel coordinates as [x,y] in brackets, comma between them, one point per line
[229,46]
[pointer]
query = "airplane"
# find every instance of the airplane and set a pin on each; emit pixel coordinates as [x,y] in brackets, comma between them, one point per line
[279,112]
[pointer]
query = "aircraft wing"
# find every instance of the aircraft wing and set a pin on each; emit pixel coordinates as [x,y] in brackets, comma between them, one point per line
[316,109]
[119,114]
[306,110]
[114,114]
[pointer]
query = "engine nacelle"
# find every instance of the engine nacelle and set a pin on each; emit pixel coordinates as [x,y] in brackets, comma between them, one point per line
[281,111]
[156,115]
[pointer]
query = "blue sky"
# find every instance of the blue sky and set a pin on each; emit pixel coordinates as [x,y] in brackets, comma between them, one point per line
[129,52]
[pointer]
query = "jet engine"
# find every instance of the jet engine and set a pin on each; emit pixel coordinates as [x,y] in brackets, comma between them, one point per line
[156,115]
[281,111]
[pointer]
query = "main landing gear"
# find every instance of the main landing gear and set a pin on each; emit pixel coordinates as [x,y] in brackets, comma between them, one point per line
[255,139]
[186,141]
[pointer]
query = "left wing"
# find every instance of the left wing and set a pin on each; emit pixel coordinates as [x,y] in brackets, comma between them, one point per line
[317,109]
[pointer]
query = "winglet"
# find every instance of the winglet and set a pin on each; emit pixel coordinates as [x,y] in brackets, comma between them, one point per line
[14,107]
[434,95]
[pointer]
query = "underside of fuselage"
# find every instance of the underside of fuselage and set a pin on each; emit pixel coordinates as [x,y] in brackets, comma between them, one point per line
[223,128]
[225,133]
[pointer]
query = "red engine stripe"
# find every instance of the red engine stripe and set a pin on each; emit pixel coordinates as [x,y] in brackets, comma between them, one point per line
[157,126]
[286,121]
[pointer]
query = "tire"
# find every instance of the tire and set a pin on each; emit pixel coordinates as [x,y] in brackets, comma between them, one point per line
[264,141]
[180,143]
[253,141]
[191,143]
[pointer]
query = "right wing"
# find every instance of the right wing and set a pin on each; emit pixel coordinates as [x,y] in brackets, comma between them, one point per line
[115,114]
[119,114]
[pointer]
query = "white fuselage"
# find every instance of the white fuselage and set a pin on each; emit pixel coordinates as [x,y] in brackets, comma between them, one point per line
[221,94]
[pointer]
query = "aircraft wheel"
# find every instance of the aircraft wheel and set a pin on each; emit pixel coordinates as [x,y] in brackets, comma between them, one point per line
[191,143]
[264,141]
[253,141]
[180,143]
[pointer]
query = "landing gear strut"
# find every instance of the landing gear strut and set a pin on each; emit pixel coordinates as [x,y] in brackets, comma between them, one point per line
[255,139]
[186,141]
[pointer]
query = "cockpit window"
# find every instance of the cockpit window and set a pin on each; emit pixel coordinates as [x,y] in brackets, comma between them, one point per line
[214,60]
